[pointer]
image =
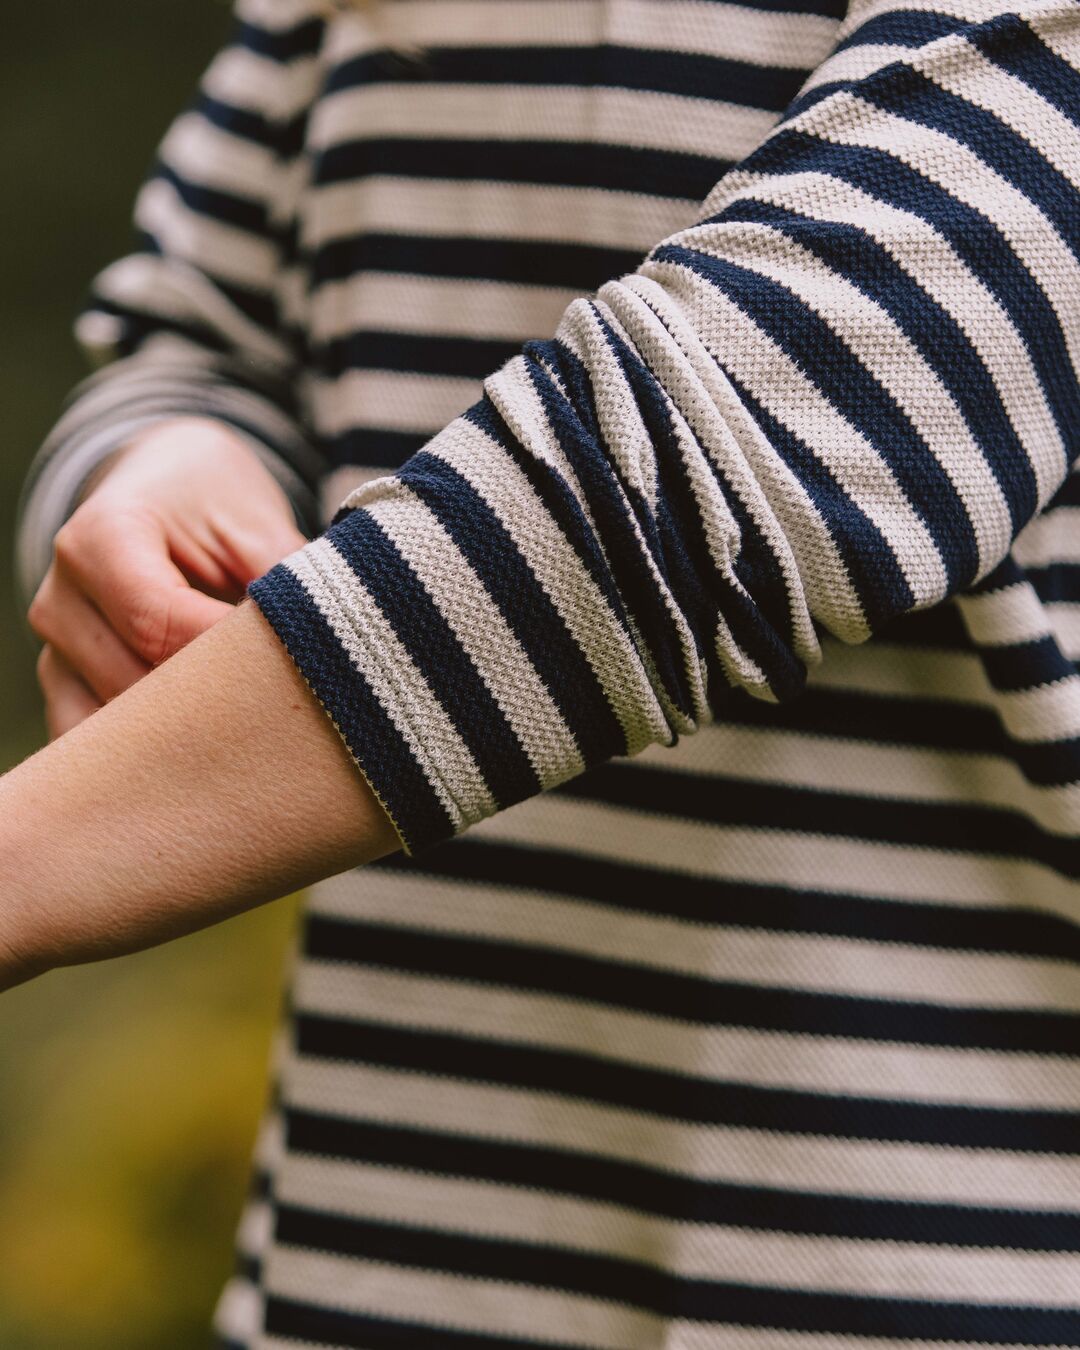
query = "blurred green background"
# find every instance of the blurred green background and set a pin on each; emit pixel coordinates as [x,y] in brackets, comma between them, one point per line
[130,1090]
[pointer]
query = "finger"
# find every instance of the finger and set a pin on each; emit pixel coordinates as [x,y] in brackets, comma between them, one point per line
[68,701]
[65,619]
[253,550]
[124,567]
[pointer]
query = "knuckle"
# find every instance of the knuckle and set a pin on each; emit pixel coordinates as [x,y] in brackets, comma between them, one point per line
[66,543]
[38,614]
[149,623]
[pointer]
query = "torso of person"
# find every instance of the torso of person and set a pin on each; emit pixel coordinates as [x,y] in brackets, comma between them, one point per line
[766,1040]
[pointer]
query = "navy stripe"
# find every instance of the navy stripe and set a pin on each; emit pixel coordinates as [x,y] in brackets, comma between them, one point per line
[634,889]
[373,447]
[436,651]
[373,740]
[1033,62]
[285,44]
[414,353]
[1067,495]
[242,213]
[621,168]
[1056,583]
[284,139]
[576,267]
[902,28]
[643,988]
[139,324]
[305,1322]
[670,1194]
[644,1285]
[596,66]
[1027,665]
[555,494]
[941,627]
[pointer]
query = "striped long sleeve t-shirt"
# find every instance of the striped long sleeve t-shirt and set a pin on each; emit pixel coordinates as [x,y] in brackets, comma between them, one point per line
[688,390]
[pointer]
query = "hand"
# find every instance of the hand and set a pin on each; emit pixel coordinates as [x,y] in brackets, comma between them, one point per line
[161,547]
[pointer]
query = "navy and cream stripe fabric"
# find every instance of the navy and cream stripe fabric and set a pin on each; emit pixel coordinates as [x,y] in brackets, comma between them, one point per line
[833,399]
[705,341]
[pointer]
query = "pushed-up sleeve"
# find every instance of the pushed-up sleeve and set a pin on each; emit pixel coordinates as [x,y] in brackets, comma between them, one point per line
[834,399]
[197,321]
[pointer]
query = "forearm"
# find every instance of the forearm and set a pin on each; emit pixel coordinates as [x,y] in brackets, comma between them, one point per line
[213,785]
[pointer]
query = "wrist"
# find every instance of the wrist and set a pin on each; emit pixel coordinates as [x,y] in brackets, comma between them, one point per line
[199,427]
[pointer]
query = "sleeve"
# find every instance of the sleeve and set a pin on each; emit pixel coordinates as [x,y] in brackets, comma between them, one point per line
[199,320]
[834,399]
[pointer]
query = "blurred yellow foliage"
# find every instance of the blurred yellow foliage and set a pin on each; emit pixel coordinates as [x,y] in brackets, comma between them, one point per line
[131,1096]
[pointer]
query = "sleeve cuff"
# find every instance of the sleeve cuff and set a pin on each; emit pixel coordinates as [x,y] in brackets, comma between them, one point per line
[362,680]
[459,637]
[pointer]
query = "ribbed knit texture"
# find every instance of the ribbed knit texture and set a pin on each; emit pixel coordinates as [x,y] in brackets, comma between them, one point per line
[707,341]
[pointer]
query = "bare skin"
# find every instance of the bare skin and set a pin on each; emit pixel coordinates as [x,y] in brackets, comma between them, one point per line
[208,779]
[214,784]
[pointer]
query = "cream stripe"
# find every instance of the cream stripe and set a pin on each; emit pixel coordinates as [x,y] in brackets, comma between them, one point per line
[757,36]
[782,1060]
[840,1166]
[632,455]
[277,90]
[680,1335]
[200,152]
[256,1228]
[174,289]
[650,120]
[239,1312]
[855,63]
[1050,538]
[392,399]
[542,213]
[792,758]
[1064,620]
[440,306]
[974,78]
[1047,713]
[1002,618]
[691,1250]
[278,16]
[776,500]
[1056,26]
[698,1336]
